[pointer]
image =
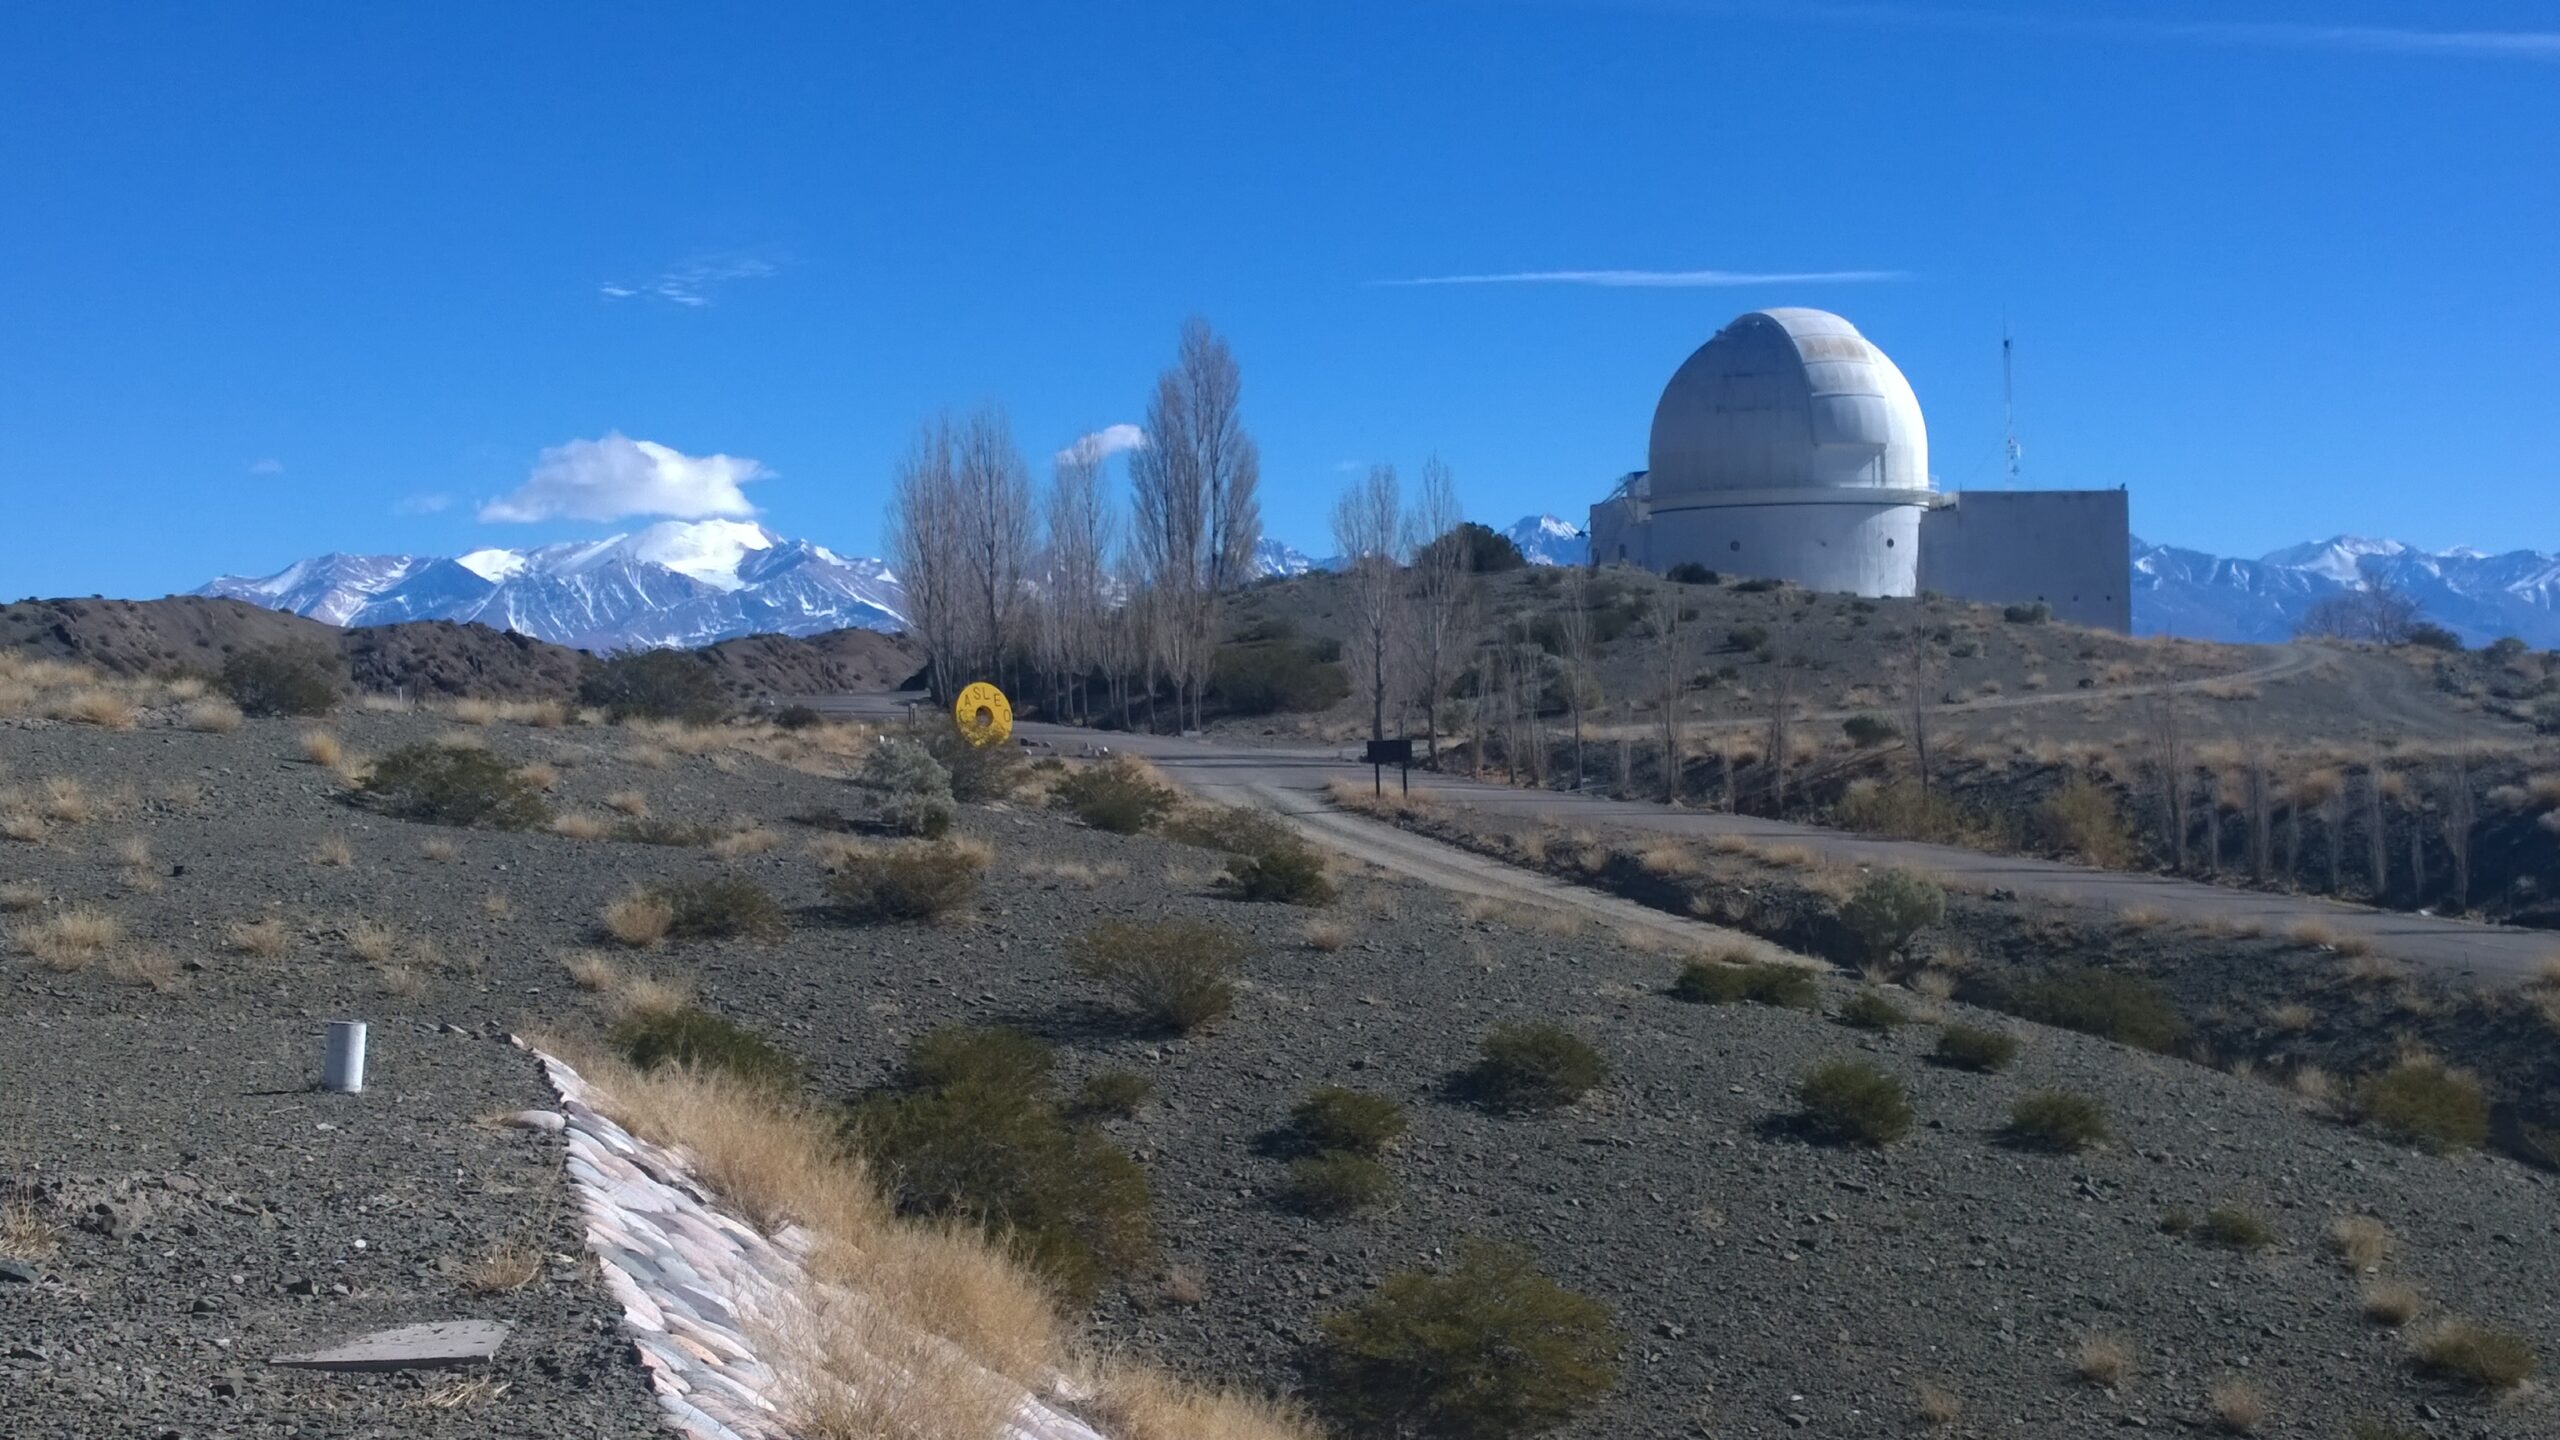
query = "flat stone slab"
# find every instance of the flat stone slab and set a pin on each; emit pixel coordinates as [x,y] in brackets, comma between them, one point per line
[410,1347]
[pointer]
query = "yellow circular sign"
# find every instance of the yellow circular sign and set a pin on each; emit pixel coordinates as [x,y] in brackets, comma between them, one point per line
[984,716]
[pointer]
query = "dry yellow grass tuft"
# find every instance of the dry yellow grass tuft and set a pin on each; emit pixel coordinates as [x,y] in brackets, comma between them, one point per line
[70,939]
[67,802]
[2293,1017]
[592,970]
[103,708]
[628,802]
[502,1269]
[2392,1302]
[213,717]
[322,749]
[148,968]
[402,981]
[134,851]
[334,852]
[753,840]
[2105,1360]
[579,826]
[373,943]
[642,995]
[2361,1241]
[541,775]
[23,826]
[496,906]
[1327,935]
[25,1235]
[20,895]
[439,849]
[1138,1402]
[473,712]
[2237,1406]
[638,918]
[1936,1404]
[265,937]
[2141,917]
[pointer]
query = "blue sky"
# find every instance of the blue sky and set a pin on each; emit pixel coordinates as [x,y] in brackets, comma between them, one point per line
[278,280]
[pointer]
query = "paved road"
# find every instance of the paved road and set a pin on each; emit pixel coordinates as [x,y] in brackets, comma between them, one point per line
[1292,781]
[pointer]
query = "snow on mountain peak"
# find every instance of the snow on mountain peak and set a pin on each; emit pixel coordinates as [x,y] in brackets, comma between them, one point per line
[706,550]
[493,565]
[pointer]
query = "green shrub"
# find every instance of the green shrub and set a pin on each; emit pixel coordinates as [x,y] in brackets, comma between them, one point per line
[1490,1350]
[1970,1047]
[1868,731]
[696,1037]
[1235,829]
[1760,586]
[1535,1066]
[1851,1102]
[1337,1182]
[1890,908]
[1747,637]
[655,685]
[1271,679]
[2127,1009]
[2082,819]
[2420,1102]
[2236,1227]
[914,789]
[2466,1352]
[1110,1094]
[1483,549]
[798,717]
[1174,974]
[2057,1120]
[982,1140]
[1119,796]
[2035,614]
[975,774]
[1871,1010]
[445,785]
[1766,982]
[1356,1121]
[1690,572]
[722,907]
[1904,811]
[284,680]
[1291,873]
[914,881]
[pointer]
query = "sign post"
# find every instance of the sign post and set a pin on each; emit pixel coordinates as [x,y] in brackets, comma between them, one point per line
[1382,753]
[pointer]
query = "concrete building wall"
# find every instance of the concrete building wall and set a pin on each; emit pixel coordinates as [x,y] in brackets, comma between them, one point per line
[1826,544]
[2067,548]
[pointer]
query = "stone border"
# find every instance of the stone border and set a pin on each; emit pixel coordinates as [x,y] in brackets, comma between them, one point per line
[694,1281]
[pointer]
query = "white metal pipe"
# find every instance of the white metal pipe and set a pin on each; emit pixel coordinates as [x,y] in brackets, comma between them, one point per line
[344,1071]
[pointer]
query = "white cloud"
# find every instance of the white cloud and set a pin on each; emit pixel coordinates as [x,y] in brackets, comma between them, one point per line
[268,465]
[422,504]
[1659,279]
[1104,443]
[692,282]
[616,476]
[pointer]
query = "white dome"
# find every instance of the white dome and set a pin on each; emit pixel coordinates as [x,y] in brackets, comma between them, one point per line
[1787,399]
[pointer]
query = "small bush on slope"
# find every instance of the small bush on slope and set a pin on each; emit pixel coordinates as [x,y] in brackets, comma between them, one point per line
[2420,1102]
[655,685]
[1175,975]
[1851,1102]
[2057,1120]
[1337,1183]
[1712,982]
[283,680]
[1488,1350]
[721,907]
[1118,796]
[917,881]
[1536,1066]
[914,790]
[696,1037]
[1291,873]
[2127,1009]
[1337,1118]
[442,785]
[1970,1047]
[1892,907]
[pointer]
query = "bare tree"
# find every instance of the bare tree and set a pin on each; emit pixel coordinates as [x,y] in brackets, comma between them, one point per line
[2461,817]
[1573,632]
[1198,518]
[2417,852]
[1368,532]
[2166,732]
[925,547]
[2377,867]
[995,535]
[1672,640]
[1781,731]
[2259,791]
[2213,799]
[2379,611]
[1444,589]
[1080,540]
[1919,669]
[2331,807]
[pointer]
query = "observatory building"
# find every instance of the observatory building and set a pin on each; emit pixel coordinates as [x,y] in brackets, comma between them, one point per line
[1790,448]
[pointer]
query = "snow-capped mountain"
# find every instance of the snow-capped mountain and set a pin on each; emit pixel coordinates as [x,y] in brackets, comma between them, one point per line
[675,583]
[1547,540]
[2478,596]
[1278,557]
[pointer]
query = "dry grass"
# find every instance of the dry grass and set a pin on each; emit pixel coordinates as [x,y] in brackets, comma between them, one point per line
[70,939]
[19,895]
[322,748]
[2104,1360]
[1668,859]
[24,826]
[2367,968]
[2237,1406]
[496,906]
[134,851]
[105,709]
[150,969]
[642,995]
[473,712]
[638,918]
[578,826]
[628,802]
[502,1269]
[1327,935]
[25,1235]
[1081,874]
[333,852]
[1137,1402]
[464,1392]
[753,840]
[2141,917]
[541,775]
[372,943]
[2392,1302]
[2361,1242]
[213,717]
[265,937]
[2292,1017]
[1936,1404]
[592,970]
[439,849]
[402,981]
[67,802]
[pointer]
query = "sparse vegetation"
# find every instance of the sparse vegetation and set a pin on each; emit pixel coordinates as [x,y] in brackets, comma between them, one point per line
[1852,1102]
[1489,1350]
[1871,1010]
[2128,1009]
[2361,1241]
[2083,820]
[69,939]
[1291,873]
[1337,1182]
[1890,908]
[2468,1353]
[1355,1121]
[2391,1302]
[1122,796]
[689,1035]
[1970,1047]
[673,685]
[2104,1360]
[1535,1065]
[1175,975]
[1110,1094]
[502,1268]
[283,680]
[2057,1120]
[913,789]
[638,918]
[213,717]
[2421,1102]
[2236,1227]
[721,907]
[2237,1405]
[444,786]
[915,880]
[1768,982]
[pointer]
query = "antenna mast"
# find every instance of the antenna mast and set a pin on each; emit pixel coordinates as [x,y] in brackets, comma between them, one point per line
[2009,401]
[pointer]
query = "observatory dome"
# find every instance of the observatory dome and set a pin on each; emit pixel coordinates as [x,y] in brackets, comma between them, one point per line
[1781,400]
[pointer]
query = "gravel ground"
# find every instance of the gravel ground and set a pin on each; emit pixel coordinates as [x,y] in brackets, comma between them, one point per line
[1765,1286]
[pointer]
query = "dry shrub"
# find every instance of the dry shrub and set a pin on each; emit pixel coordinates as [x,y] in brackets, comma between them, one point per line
[26,1235]
[496,906]
[148,968]
[213,717]
[541,775]
[2391,1302]
[2362,1242]
[505,1267]
[23,826]
[401,981]
[2237,1405]
[1936,1404]
[70,939]
[2104,1360]
[372,943]
[103,708]
[1133,1401]
[753,840]
[591,969]
[19,895]
[67,802]
[265,937]
[2420,1101]
[135,851]
[473,712]
[642,995]
[1327,935]
[333,851]
[1174,975]
[322,748]
[2293,1017]
[912,880]
[638,918]
[849,1370]
[628,802]
[2466,1352]
[438,849]
[578,826]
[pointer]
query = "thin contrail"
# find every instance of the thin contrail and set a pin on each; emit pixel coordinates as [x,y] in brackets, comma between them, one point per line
[2529,45]
[1657,279]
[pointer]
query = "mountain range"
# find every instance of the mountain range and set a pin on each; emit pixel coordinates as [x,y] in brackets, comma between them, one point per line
[696,583]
